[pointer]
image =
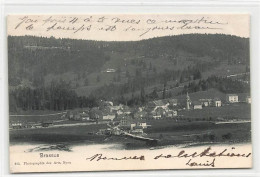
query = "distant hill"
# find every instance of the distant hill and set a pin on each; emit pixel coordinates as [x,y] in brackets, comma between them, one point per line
[113,68]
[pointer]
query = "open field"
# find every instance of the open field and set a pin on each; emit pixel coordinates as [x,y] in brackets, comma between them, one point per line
[36,116]
[168,132]
[211,93]
[236,111]
[225,70]
[56,134]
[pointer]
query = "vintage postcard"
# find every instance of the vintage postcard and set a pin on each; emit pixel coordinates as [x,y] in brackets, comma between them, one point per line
[101,92]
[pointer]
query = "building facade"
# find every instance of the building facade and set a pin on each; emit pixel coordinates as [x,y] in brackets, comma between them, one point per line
[232,98]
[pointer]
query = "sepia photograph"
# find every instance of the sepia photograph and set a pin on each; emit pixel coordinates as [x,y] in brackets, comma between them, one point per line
[102,92]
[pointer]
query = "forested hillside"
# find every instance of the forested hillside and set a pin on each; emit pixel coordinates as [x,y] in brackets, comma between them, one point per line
[57,74]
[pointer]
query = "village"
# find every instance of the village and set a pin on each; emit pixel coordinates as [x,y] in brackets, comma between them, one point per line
[122,119]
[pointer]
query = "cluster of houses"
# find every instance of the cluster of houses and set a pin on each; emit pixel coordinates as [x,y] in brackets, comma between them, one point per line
[235,98]
[107,111]
[134,119]
[130,126]
[23,125]
[157,109]
[217,102]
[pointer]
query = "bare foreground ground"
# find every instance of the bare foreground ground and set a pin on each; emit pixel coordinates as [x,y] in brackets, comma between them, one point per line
[168,132]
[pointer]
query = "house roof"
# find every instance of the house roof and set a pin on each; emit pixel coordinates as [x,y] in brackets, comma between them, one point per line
[124,116]
[105,111]
[163,102]
[216,99]
[232,94]
[159,103]
[159,109]
[108,103]
[138,127]
[142,112]
[197,103]
[108,114]
[205,99]
[173,101]
[241,96]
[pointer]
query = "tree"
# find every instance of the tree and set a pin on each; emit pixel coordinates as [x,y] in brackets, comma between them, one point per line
[154,70]
[86,82]
[84,74]
[197,75]
[181,79]
[119,78]
[142,95]
[247,68]
[107,58]
[98,78]
[138,72]
[150,66]
[114,79]
[144,65]
[79,76]
[154,94]
[127,74]
[164,90]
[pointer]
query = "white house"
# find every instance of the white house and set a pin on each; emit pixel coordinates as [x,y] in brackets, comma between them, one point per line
[248,99]
[206,102]
[232,98]
[16,125]
[120,112]
[110,70]
[172,114]
[109,117]
[138,124]
[108,103]
[197,105]
[155,115]
[137,130]
[142,124]
[115,108]
[132,125]
[173,102]
[160,104]
[217,102]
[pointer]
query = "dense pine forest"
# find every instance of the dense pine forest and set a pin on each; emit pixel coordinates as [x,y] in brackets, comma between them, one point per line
[60,74]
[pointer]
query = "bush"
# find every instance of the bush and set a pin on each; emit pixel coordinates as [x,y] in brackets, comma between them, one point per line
[227,136]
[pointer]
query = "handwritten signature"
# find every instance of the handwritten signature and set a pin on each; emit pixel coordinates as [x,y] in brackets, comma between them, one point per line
[192,157]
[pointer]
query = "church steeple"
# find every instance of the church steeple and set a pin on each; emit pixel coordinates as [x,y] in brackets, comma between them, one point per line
[188,101]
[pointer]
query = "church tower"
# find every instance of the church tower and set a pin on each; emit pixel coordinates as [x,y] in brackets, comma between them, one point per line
[188,101]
